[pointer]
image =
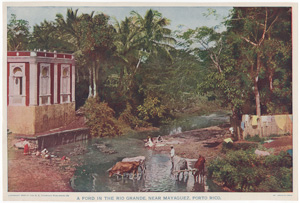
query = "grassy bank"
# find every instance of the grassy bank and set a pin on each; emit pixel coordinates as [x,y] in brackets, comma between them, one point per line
[242,168]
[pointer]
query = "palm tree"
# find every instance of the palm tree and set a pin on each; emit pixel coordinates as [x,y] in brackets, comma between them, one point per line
[71,31]
[70,27]
[156,35]
[97,45]
[127,42]
[74,29]
[137,38]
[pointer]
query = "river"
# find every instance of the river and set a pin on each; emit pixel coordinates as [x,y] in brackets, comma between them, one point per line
[92,175]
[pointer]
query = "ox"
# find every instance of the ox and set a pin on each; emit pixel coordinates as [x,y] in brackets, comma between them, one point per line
[180,165]
[199,165]
[140,159]
[124,167]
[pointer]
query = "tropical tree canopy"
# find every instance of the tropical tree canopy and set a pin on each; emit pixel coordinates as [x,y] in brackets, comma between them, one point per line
[144,71]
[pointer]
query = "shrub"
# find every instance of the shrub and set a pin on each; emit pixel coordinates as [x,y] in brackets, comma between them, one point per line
[281,160]
[129,119]
[274,135]
[222,172]
[152,110]
[280,181]
[226,147]
[100,118]
[284,178]
[245,146]
[245,171]
[255,138]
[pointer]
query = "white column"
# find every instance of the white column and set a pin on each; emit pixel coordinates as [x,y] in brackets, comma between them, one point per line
[33,84]
[11,89]
[11,83]
[55,83]
[73,83]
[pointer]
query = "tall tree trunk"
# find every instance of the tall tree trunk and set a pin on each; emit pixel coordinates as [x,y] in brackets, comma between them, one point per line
[257,101]
[90,82]
[120,86]
[100,80]
[256,90]
[77,75]
[94,79]
[257,96]
[271,82]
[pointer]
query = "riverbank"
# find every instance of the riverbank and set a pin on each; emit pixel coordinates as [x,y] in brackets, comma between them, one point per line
[31,173]
[208,143]
[191,144]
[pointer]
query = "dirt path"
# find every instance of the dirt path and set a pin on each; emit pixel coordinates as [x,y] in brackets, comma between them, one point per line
[279,144]
[28,173]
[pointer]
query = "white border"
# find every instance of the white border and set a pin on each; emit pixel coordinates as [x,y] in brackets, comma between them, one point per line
[180,3]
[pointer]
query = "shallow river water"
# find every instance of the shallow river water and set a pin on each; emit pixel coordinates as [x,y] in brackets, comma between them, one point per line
[92,175]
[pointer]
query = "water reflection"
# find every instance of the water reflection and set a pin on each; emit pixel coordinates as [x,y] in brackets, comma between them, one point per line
[92,175]
[158,177]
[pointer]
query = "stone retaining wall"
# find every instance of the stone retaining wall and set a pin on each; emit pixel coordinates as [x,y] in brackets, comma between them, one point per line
[35,119]
[62,137]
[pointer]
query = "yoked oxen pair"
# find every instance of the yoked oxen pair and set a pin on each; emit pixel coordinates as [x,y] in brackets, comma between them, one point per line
[182,165]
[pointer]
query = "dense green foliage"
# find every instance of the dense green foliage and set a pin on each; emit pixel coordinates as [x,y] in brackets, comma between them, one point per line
[249,63]
[245,171]
[128,117]
[145,71]
[152,110]
[255,138]
[17,34]
[228,147]
[100,118]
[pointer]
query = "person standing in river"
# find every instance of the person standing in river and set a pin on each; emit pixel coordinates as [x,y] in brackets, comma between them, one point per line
[150,142]
[172,155]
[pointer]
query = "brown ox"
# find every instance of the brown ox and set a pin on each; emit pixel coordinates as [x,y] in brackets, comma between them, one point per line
[140,159]
[199,165]
[124,167]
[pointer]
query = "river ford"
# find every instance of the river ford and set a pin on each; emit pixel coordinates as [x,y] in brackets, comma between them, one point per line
[91,158]
[91,175]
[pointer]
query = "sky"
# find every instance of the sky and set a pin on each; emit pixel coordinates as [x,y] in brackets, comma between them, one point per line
[190,17]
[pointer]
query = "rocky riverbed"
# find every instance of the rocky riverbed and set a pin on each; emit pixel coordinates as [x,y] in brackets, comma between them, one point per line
[191,144]
[32,173]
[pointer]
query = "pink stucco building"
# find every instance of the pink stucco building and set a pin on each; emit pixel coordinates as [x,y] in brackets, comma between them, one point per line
[40,91]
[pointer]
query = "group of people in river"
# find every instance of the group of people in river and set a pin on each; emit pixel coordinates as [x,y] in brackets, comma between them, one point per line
[151,143]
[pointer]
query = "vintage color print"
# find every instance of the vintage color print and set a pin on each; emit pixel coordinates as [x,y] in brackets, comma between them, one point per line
[150,102]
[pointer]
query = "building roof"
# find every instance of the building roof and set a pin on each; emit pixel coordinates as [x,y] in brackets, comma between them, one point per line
[41,54]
